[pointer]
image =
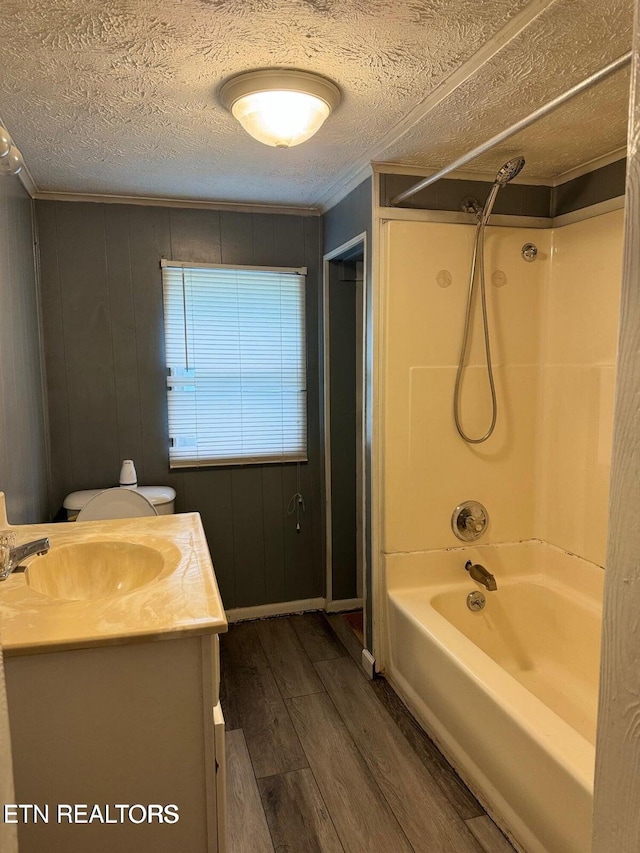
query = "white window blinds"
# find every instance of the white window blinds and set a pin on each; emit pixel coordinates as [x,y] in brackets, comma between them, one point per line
[236,366]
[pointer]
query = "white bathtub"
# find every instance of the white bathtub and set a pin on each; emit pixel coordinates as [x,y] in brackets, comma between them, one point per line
[509,692]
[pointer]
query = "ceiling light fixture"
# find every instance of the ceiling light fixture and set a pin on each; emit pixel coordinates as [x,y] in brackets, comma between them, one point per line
[280,108]
[11,162]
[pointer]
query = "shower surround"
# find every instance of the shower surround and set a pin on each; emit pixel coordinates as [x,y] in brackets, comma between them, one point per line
[543,475]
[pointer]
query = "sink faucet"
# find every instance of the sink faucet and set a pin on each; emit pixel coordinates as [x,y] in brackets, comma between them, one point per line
[10,558]
[480,574]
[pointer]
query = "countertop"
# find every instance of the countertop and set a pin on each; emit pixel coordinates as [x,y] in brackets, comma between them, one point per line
[183,600]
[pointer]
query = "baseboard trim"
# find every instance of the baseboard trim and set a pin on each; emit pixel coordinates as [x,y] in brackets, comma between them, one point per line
[286,608]
[368,664]
[281,608]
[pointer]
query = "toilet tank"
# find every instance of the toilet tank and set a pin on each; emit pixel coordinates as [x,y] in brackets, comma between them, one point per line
[162,497]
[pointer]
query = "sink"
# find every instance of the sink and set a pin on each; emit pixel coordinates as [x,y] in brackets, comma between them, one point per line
[94,570]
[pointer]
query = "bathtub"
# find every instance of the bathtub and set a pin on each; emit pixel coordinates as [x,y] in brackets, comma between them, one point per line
[508,692]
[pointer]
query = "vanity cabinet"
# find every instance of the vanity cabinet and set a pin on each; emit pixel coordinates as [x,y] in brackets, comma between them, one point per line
[130,724]
[113,688]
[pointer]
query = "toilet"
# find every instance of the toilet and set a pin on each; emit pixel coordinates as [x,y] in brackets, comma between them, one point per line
[119,503]
[116,503]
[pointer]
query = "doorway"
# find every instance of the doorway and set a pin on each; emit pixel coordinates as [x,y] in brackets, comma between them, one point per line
[344,398]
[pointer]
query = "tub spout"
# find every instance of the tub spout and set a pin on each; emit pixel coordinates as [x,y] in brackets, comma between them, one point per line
[480,574]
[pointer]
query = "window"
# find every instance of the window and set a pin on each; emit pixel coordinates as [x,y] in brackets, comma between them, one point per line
[236,367]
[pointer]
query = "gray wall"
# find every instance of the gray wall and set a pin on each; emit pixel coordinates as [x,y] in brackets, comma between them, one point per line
[103,332]
[347,219]
[343,425]
[23,454]
[449,193]
[515,199]
[600,185]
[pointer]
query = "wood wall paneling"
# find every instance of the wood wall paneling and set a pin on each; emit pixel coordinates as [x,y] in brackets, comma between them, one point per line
[149,240]
[195,236]
[91,392]
[343,423]
[350,217]
[248,535]
[23,451]
[26,427]
[312,235]
[264,227]
[103,326]
[120,285]
[303,567]
[274,508]
[61,461]
[236,238]
[210,494]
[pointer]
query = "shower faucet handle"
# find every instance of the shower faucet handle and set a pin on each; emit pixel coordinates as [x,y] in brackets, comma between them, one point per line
[475,525]
[469,521]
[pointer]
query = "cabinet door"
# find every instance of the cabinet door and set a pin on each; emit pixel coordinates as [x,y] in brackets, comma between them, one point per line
[221,773]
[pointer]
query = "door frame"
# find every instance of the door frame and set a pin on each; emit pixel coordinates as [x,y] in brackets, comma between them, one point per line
[333,606]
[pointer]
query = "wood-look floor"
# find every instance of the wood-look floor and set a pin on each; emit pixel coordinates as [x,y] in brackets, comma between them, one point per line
[321,760]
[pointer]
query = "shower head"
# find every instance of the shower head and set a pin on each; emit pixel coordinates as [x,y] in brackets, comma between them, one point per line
[505,174]
[510,169]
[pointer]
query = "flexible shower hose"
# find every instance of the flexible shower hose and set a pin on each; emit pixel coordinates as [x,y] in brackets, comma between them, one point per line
[477,260]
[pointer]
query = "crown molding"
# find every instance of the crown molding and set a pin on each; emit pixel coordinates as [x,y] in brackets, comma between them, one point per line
[590,166]
[151,201]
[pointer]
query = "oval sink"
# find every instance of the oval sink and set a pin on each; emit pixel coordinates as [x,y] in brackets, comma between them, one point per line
[90,570]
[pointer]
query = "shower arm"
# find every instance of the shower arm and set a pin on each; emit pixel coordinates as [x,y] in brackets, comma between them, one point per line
[542,111]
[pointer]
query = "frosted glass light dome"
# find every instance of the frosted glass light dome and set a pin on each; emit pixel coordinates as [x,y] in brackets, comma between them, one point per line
[12,163]
[280,108]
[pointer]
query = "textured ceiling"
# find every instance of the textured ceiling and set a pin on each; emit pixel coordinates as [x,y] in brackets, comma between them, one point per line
[569,41]
[120,98]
